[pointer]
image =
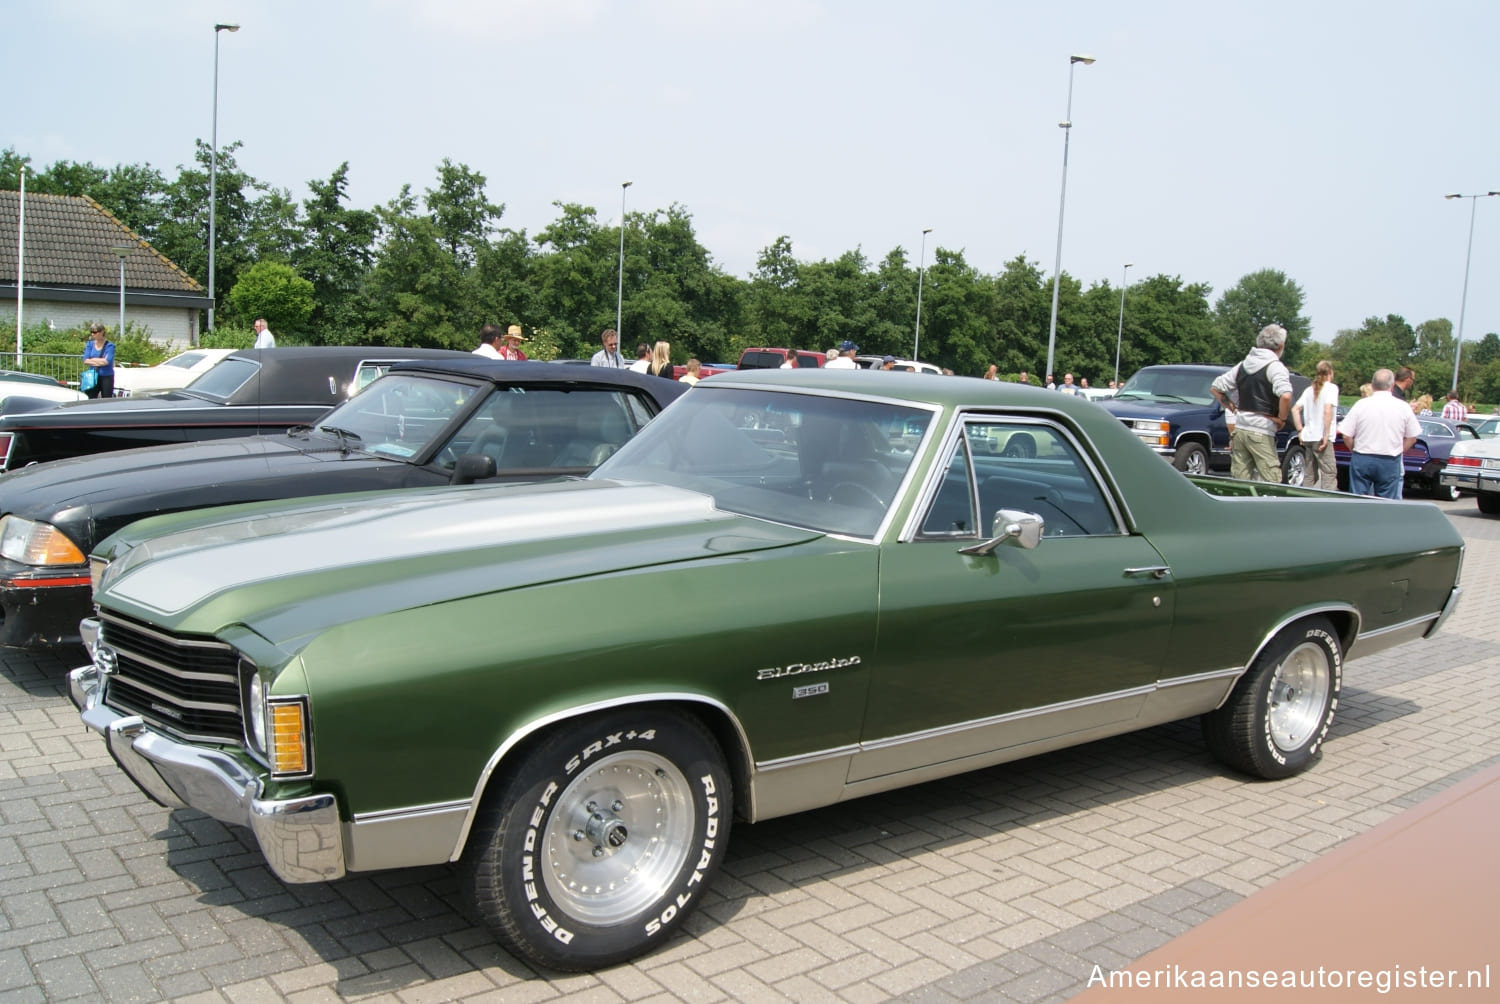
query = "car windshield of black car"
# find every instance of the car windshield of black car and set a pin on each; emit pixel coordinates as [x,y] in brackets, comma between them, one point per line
[224,379]
[1184,385]
[398,416]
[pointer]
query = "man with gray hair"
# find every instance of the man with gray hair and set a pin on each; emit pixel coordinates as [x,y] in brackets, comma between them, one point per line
[1264,391]
[1377,430]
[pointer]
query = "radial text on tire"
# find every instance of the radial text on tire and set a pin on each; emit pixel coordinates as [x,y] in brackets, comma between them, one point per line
[1275,720]
[601,839]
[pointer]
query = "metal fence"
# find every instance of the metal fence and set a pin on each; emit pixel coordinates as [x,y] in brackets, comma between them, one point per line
[63,368]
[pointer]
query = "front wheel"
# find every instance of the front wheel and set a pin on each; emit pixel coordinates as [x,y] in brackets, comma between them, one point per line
[1294,466]
[1191,458]
[602,839]
[1275,720]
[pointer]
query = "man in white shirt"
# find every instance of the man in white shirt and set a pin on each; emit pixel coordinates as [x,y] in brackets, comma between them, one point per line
[609,356]
[642,362]
[263,337]
[845,361]
[1377,430]
[488,336]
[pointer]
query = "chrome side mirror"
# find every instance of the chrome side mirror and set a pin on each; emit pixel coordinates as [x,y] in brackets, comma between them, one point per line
[1022,529]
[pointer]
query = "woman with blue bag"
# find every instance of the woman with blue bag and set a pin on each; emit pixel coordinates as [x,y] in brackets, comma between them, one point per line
[98,377]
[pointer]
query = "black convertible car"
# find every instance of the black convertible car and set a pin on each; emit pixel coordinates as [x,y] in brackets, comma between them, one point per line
[422,424]
[249,392]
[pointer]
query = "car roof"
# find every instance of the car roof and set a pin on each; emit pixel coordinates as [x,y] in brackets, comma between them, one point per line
[505,371]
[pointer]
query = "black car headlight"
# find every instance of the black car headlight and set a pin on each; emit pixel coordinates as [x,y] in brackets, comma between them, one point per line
[32,543]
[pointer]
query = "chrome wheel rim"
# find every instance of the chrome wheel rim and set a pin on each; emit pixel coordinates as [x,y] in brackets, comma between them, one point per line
[1197,463]
[1299,693]
[1296,470]
[618,837]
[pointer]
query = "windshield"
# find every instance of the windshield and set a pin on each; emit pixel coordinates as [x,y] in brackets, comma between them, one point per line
[397,416]
[825,463]
[227,377]
[1174,384]
[186,360]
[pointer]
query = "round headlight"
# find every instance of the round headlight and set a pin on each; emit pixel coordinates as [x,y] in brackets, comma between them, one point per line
[257,709]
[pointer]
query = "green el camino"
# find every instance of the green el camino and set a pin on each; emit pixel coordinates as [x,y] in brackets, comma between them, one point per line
[791,589]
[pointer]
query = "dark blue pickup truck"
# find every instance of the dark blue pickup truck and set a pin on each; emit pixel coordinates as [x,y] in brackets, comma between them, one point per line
[1171,409]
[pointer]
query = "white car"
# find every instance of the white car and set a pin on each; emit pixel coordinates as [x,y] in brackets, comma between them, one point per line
[36,386]
[1474,466]
[878,362]
[179,371]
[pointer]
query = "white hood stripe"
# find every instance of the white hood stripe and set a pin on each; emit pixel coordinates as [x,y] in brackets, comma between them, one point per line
[187,568]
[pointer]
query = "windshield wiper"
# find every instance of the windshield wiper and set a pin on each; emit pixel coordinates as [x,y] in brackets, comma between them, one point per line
[344,436]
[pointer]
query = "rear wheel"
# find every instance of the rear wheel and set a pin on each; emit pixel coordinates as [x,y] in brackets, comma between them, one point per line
[601,841]
[1191,458]
[1275,720]
[1444,493]
[1489,503]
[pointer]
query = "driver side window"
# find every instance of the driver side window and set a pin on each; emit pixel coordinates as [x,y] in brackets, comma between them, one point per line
[1027,466]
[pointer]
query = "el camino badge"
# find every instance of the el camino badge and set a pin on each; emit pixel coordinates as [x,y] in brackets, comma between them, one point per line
[798,668]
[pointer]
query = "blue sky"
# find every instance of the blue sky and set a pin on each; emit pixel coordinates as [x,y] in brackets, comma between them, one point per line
[1209,140]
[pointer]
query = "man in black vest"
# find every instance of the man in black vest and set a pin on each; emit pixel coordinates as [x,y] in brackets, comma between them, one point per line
[1265,398]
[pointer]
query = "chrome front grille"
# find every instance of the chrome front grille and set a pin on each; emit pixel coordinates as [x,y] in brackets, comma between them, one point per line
[187,687]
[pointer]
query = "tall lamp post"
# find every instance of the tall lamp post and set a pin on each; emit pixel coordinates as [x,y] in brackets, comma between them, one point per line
[1120,334]
[123,250]
[620,286]
[213,171]
[1067,127]
[921,259]
[1458,346]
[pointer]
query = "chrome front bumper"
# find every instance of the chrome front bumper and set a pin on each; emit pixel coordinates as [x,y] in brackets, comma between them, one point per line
[300,837]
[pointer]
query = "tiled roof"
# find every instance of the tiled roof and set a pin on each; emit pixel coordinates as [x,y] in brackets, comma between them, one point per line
[68,243]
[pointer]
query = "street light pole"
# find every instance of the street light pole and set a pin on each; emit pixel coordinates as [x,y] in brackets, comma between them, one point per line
[1458,345]
[921,259]
[213,170]
[123,250]
[1067,127]
[1120,335]
[620,286]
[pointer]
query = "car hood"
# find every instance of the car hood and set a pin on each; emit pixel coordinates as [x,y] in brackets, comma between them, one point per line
[44,491]
[290,572]
[1148,407]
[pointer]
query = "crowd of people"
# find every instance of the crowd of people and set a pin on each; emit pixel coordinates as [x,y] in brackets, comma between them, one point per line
[1256,395]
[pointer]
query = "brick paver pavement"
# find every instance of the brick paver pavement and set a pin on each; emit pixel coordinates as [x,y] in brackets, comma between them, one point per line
[1007,884]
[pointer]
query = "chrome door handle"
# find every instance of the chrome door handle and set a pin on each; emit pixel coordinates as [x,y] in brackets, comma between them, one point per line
[1155,571]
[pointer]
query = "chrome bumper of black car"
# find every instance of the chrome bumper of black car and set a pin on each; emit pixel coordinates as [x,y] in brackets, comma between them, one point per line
[301,838]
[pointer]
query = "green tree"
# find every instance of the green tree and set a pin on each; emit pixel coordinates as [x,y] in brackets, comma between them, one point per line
[1166,321]
[462,215]
[1486,350]
[1018,334]
[336,254]
[1260,298]
[574,282]
[183,234]
[1386,342]
[958,314]
[779,314]
[416,288]
[276,292]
